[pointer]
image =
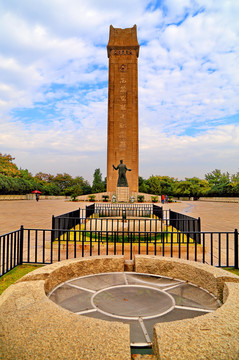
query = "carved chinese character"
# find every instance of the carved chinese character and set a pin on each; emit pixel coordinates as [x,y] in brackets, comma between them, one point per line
[123,107]
[123,98]
[122,88]
[122,81]
[122,125]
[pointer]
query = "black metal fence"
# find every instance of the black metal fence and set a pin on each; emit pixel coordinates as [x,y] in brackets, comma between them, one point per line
[74,219]
[126,224]
[90,210]
[136,210]
[158,211]
[69,220]
[36,246]
[185,223]
[64,221]
[11,250]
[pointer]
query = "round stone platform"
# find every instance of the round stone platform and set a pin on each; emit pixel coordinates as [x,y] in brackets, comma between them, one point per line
[33,326]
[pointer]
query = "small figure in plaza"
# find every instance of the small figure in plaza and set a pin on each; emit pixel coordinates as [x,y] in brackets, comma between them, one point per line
[37,197]
[113,198]
[122,181]
[166,199]
[132,199]
[163,198]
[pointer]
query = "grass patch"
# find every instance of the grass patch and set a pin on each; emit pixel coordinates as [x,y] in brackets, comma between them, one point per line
[80,234]
[232,270]
[12,276]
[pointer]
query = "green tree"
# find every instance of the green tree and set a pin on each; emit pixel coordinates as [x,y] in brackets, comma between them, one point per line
[7,167]
[98,185]
[159,185]
[63,181]
[183,188]
[143,186]
[235,178]
[167,185]
[154,185]
[44,176]
[219,183]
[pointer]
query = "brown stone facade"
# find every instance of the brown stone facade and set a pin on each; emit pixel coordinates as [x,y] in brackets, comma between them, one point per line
[123,52]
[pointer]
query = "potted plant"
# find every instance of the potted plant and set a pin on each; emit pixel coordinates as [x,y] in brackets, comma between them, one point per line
[74,197]
[105,198]
[140,198]
[154,199]
[91,197]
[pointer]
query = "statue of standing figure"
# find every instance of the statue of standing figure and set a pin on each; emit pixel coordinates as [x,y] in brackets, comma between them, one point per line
[122,181]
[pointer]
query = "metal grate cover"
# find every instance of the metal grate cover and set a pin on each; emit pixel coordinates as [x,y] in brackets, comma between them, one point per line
[140,300]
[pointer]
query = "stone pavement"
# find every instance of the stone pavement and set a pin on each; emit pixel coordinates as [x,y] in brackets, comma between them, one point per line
[215,216]
[32,214]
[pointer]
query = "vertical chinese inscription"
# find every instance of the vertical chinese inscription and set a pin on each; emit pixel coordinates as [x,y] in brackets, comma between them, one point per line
[122,113]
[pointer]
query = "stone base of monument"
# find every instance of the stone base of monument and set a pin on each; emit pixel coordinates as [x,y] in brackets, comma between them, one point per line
[122,194]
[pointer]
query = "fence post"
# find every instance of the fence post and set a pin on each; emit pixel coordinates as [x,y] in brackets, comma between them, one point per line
[52,227]
[236,248]
[199,230]
[53,222]
[199,224]
[21,245]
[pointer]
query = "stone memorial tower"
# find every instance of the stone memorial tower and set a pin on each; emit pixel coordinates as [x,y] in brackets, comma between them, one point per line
[123,52]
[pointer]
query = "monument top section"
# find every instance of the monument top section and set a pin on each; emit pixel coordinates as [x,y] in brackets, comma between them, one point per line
[123,39]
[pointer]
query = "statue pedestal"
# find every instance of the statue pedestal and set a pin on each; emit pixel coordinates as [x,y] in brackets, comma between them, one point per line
[122,194]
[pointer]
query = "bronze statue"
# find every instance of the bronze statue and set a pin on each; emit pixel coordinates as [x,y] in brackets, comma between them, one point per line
[122,181]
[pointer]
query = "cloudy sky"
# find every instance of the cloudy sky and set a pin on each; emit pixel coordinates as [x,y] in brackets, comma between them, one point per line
[54,78]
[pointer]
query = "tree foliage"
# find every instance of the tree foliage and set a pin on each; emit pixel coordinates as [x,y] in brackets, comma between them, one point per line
[216,183]
[21,181]
[7,167]
[98,184]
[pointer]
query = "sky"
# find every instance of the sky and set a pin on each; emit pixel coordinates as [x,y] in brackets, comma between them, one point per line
[54,84]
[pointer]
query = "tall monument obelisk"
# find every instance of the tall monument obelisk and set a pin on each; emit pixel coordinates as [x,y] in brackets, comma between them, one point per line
[123,52]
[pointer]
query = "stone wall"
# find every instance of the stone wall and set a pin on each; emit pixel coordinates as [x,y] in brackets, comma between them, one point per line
[32,197]
[220,199]
[98,196]
[34,327]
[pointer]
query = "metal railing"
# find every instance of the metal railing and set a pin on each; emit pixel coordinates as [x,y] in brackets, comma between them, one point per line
[127,224]
[185,223]
[36,246]
[11,250]
[137,210]
[74,219]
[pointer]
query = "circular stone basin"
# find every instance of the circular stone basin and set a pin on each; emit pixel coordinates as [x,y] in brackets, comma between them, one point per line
[140,300]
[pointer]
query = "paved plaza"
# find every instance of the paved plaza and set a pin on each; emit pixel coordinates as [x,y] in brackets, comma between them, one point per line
[215,216]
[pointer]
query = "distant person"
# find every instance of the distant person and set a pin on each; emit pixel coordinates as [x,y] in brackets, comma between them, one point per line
[163,198]
[37,197]
[166,199]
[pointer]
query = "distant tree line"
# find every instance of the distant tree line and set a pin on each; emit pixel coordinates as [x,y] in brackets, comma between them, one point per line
[19,181]
[215,183]
[15,181]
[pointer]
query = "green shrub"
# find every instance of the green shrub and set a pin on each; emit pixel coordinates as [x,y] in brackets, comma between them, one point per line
[140,198]
[73,197]
[154,199]
[105,198]
[91,198]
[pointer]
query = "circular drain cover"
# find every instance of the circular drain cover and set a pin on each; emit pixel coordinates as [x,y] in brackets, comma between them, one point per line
[140,300]
[133,301]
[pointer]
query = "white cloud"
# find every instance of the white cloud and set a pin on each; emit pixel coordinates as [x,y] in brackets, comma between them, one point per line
[53,61]
[186,156]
